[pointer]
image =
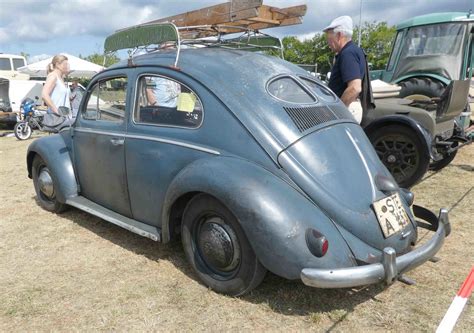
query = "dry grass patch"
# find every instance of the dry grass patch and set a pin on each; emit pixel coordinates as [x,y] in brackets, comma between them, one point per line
[76,272]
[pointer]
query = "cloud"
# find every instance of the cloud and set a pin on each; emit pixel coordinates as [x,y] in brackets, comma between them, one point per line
[40,21]
[33,22]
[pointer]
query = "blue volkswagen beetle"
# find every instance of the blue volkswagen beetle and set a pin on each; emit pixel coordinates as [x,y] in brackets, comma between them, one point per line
[247,158]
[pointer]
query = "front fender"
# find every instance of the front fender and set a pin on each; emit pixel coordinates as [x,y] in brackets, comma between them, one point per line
[273,214]
[54,151]
[423,134]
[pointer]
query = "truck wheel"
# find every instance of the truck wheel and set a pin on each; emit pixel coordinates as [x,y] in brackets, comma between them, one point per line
[43,181]
[421,88]
[402,152]
[22,130]
[217,248]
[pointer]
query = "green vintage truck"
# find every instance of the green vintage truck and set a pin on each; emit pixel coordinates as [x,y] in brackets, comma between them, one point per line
[429,52]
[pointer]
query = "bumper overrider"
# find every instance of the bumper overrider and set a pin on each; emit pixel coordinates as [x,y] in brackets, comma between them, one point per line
[391,266]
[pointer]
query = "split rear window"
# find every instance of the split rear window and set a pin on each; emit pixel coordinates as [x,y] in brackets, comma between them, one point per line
[288,90]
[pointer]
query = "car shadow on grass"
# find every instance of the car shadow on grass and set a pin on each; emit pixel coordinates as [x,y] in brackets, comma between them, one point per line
[280,295]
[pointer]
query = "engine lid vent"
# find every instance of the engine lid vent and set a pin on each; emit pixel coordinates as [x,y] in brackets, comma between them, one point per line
[308,117]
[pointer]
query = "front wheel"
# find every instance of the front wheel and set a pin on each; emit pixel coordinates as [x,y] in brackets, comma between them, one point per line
[217,248]
[22,130]
[45,186]
[402,152]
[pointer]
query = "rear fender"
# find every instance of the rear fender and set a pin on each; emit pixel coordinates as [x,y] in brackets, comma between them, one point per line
[420,132]
[273,214]
[54,151]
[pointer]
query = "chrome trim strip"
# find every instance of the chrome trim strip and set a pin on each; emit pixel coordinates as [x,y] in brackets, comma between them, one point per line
[149,138]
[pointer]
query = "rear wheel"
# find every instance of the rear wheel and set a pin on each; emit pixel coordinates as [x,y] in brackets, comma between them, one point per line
[22,130]
[402,152]
[217,248]
[43,181]
[421,88]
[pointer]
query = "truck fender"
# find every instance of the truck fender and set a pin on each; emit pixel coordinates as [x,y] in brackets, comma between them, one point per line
[274,215]
[55,152]
[421,132]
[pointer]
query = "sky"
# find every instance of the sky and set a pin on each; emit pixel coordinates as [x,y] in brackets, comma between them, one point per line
[42,28]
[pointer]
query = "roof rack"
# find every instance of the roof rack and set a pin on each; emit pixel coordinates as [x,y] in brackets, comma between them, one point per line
[209,27]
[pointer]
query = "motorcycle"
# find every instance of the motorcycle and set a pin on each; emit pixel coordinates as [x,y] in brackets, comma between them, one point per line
[35,119]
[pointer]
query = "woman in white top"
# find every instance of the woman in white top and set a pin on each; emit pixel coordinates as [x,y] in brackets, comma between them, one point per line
[55,91]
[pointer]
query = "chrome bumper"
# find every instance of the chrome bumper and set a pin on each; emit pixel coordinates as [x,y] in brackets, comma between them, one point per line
[391,266]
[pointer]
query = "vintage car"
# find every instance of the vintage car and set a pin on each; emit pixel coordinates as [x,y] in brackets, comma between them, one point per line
[251,161]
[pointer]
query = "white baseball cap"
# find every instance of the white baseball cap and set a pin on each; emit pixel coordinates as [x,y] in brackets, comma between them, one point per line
[341,23]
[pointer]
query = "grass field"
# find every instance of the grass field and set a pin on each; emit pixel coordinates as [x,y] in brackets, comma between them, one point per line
[75,272]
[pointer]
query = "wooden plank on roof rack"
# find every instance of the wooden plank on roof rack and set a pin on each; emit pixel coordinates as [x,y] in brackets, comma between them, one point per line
[217,14]
[250,14]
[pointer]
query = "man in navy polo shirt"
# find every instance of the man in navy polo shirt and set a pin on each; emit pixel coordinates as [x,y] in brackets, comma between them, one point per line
[349,67]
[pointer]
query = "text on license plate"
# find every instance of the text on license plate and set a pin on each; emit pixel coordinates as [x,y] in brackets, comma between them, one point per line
[391,215]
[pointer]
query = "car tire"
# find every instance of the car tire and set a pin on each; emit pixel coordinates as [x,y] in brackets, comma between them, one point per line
[44,183]
[402,152]
[421,86]
[22,130]
[218,249]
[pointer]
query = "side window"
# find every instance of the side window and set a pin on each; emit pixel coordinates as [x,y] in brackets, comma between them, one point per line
[163,101]
[107,101]
[18,63]
[396,47]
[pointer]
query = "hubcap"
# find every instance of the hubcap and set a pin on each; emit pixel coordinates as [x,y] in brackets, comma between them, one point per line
[45,183]
[391,159]
[218,245]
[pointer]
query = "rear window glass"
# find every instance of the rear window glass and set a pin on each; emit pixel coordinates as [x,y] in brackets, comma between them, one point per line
[320,90]
[288,90]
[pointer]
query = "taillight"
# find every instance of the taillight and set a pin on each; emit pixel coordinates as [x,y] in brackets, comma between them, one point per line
[317,243]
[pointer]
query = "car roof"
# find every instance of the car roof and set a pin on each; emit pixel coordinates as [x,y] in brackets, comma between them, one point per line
[195,61]
[435,18]
[239,79]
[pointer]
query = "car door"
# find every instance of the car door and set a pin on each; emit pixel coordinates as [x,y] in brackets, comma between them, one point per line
[165,134]
[99,143]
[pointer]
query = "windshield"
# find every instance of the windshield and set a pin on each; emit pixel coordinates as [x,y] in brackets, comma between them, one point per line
[436,48]
[5,64]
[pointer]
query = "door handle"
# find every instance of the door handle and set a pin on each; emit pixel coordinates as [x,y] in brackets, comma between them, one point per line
[117,142]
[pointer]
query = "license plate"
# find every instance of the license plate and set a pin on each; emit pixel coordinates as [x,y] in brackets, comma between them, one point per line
[391,215]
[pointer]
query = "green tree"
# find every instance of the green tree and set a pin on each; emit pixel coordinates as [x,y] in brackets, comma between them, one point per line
[377,41]
[98,59]
[24,54]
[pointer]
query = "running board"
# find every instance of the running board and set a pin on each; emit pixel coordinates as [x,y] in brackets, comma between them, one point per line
[139,228]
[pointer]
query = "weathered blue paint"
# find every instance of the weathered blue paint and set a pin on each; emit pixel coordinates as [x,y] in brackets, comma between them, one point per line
[55,150]
[277,179]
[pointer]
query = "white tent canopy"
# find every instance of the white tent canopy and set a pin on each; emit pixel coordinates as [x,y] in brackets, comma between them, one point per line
[79,67]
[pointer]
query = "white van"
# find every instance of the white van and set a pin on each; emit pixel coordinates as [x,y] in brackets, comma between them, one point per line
[9,64]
